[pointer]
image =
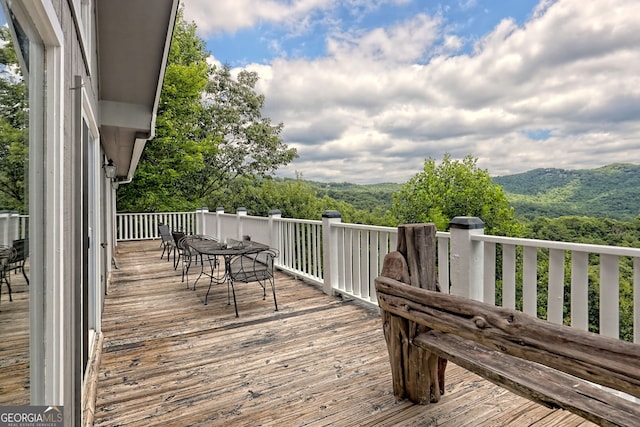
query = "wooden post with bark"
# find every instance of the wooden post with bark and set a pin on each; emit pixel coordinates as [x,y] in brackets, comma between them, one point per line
[418,374]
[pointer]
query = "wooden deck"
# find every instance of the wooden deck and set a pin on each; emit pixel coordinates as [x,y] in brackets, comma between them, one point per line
[170,360]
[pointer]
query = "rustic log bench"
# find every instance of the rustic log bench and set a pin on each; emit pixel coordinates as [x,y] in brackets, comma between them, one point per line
[555,365]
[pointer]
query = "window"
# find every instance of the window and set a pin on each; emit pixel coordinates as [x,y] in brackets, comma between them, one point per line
[33,193]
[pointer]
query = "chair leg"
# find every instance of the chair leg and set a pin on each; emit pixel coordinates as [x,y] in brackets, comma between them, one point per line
[24,274]
[233,291]
[273,289]
[176,261]
[185,269]
[5,277]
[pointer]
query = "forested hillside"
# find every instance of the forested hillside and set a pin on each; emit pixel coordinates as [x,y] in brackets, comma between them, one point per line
[609,192]
[365,197]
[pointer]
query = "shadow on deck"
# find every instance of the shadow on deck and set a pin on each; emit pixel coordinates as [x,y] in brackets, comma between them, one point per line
[168,359]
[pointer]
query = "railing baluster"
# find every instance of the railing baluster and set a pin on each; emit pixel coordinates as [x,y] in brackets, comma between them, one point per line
[357,260]
[609,296]
[443,264]
[509,276]
[530,280]
[348,274]
[555,291]
[343,277]
[374,267]
[580,290]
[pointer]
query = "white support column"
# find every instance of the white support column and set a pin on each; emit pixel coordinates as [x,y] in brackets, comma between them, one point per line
[201,220]
[274,236]
[14,226]
[5,217]
[219,236]
[330,250]
[467,263]
[240,213]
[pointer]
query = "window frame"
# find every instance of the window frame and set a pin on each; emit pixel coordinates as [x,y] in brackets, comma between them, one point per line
[46,130]
[82,14]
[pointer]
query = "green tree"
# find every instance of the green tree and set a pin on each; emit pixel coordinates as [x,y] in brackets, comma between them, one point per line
[176,150]
[247,144]
[14,114]
[209,131]
[454,188]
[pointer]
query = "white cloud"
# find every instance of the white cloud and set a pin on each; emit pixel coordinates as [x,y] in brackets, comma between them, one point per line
[230,16]
[373,109]
[404,42]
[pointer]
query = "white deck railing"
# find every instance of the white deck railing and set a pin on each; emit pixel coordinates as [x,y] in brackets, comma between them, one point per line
[13,226]
[345,258]
[606,259]
[143,226]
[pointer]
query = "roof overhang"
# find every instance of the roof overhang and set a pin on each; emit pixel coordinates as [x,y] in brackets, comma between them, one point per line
[134,37]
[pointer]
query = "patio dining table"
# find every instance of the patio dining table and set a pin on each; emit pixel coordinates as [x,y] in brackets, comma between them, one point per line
[226,250]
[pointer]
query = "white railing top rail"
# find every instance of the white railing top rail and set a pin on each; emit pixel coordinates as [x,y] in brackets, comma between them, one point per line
[552,244]
[299,221]
[441,234]
[154,214]
[364,227]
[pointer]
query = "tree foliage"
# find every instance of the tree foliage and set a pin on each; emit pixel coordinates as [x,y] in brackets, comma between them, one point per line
[209,132]
[176,149]
[247,144]
[294,198]
[14,114]
[454,188]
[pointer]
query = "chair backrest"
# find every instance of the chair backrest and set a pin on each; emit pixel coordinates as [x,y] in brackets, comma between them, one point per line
[7,254]
[21,247]
[266,257]
[254,266]
[177,237]
[165,233]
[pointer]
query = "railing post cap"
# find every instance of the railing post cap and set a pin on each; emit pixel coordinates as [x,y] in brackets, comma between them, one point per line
[219,209]
[466,223]
[241,210]
[275,212]
[331,214]
[204,209]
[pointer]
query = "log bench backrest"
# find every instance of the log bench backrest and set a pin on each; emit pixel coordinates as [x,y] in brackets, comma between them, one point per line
[595,358]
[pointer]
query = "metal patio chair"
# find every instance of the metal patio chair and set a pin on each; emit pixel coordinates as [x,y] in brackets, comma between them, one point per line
[167,241]
[19,258]
[253,267]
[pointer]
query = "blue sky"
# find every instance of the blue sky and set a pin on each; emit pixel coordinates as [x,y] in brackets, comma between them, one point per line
[261,43]
[368,89]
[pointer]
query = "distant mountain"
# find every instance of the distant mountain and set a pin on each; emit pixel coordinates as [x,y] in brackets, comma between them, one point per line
[609,192]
